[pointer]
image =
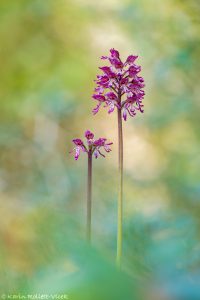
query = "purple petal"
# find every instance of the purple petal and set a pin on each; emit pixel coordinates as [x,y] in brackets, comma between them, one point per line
[124,114]
[78,142]
[107,148]
[108,71]
[99,97]
[99,90]
[77,153]
[114,53]
[116,63]
[111,108]
[96,153]
[96,109]
[99,142]
[133,70]
[111,96]
[89,135]
[131,59]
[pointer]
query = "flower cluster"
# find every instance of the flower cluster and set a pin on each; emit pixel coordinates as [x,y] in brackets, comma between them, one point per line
[92,146]
[120,86]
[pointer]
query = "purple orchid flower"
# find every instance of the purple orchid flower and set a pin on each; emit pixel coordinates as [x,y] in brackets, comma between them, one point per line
[120,86]
[91,147]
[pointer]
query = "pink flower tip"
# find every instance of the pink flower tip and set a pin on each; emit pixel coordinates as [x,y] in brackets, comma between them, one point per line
[89,135]
[114,53]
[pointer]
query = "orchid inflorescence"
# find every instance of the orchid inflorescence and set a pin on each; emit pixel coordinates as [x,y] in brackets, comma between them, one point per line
[120,86]
[92,146]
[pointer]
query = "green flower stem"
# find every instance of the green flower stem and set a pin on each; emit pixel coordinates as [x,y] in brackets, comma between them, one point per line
[89,197]
[120,190]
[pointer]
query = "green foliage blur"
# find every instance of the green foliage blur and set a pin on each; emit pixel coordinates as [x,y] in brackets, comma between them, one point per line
[49,56]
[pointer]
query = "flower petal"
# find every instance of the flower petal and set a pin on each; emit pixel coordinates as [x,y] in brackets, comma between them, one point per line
[111,107]
[77,153]
[131,58]
[124,114]
[78,142]
[96,109]
[114,53]
[89,135]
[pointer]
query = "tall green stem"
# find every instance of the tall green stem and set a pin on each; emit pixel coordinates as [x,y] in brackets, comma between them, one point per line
[89,197]
[120,191]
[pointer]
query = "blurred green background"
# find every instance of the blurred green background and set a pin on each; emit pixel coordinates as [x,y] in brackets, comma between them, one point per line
[49,57]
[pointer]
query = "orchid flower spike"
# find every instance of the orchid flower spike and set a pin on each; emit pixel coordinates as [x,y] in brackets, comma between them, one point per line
[120,86]
[92,146]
